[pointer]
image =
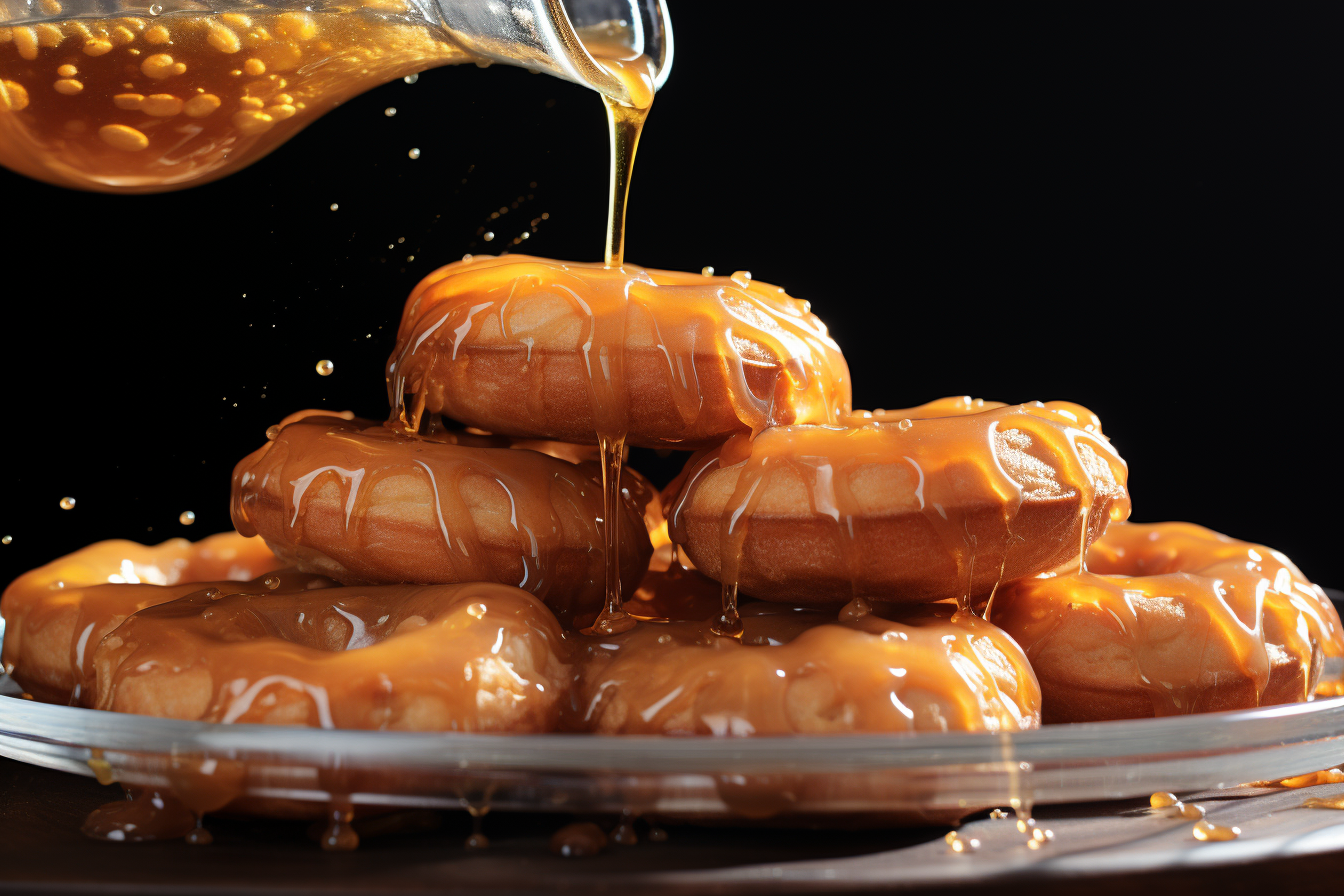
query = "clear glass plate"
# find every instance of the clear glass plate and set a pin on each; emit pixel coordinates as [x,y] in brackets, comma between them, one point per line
[901,778]
[916,777]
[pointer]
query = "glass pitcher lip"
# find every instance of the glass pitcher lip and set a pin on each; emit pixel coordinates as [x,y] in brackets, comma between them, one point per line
[597,77]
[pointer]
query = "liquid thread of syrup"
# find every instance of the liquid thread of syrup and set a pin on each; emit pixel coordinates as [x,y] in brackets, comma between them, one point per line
[625,123]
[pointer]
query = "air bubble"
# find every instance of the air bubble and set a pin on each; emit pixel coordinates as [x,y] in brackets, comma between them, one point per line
[272,431]
[271,582]
[325,367]
[904,425]
[155,9]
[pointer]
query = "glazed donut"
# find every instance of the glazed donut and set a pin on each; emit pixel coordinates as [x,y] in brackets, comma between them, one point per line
[799,671]
[56,614]
[556,350]
[942,501]
[1172,618]
[355,501]
[474,657]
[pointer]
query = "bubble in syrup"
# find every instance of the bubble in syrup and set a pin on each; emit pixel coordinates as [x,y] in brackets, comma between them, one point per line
[187,517]
[707,270]
[325,367]
[489,235]
[905,424]
[272,431]
[411,79]
[67,503]
[335,205]
[155,9]
[271,582]
[7,539]
[414,153]
[390,111]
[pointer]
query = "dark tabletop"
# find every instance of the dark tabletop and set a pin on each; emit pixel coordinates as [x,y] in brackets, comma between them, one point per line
[41,848]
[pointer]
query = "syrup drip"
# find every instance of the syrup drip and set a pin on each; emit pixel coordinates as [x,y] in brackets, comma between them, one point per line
[145,814]
[959,844]
[1234,611]
[1329,802]
[1329,776]
[580,840]
[624,833]
[340,835]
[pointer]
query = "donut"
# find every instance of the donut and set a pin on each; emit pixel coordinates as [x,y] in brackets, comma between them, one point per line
[534,348]
[473,657]
[363,504]
[1172,618]
[798,670]
[942,501]
[56,614]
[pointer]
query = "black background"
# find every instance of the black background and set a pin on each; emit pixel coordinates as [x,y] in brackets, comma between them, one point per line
[1132,206]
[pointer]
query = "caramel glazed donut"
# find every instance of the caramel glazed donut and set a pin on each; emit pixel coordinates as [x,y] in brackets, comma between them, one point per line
[1172,618]
[295,648]
[946,500]
[527,347]
[363,504]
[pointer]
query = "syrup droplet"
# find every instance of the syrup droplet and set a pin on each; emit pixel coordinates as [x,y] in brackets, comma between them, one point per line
[959,843]
[1207,830]
[67,503]
[414,153]
[578,841]
[7,539]
[489,235]
[998,813]
[707,271]
[390,111]
[1191,811]
[325,367]
[335,205]
[412,78]
[187,517]
[1163,800]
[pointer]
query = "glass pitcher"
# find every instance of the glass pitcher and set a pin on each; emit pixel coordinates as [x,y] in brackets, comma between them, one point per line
[120,97]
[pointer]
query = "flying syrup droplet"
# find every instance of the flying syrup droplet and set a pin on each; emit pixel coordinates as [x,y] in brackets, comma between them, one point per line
[67,503]
[325,367]
[390,111]
[411,79]
[7,539]
[335,205]
[414,153]
[489,235]
[187,517]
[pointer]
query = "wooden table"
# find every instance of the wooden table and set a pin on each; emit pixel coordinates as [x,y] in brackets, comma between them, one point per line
[41,848]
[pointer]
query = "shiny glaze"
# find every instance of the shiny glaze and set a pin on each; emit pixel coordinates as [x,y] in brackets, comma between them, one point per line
[56,614]
[364,504]
[159,103]
[587,335]
[476,657]
[1185,612]
[944,482]
[797,670]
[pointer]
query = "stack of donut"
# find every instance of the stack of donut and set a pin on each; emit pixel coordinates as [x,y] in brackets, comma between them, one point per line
[962,565]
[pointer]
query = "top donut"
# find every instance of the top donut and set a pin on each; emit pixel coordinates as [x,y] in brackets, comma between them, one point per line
[534,348]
